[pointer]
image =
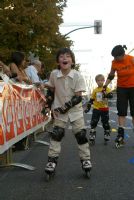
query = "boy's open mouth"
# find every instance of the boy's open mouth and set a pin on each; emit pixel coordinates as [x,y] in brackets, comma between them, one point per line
[65,62]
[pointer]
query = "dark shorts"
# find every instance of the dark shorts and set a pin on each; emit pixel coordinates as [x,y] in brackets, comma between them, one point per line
[125,97]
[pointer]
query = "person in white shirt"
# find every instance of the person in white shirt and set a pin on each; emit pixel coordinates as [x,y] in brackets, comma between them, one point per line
[68,85]
[32,71]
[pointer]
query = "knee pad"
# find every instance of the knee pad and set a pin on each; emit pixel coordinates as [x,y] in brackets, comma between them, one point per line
[81,137]
[94,123]
[58,133]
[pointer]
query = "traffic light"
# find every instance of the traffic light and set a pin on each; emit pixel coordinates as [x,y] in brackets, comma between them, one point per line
[97,26]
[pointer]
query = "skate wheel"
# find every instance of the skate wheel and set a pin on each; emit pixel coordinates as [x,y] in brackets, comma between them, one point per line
[47,177]
[88,174]
[119,145]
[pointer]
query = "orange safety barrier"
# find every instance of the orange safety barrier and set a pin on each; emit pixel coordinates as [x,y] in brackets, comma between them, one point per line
[20,113]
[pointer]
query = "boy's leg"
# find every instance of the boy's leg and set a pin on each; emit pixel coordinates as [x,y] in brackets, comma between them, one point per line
[94,121]
[55,145]
[79,131]
[106,125]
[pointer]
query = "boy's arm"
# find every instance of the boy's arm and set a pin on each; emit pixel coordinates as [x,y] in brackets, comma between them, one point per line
[49,100]
[108,95]
[76,99]
[91,100]
[89,104]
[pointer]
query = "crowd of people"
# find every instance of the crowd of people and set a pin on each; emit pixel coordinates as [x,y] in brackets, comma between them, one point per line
[23,70]
[65,87]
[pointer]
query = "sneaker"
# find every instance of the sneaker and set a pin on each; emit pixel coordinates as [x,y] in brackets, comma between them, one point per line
[86,164]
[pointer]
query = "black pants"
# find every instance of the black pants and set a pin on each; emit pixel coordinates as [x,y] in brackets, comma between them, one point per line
[96,115]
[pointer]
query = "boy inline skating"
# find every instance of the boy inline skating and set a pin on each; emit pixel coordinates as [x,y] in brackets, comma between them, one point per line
[68,85]
[99,100]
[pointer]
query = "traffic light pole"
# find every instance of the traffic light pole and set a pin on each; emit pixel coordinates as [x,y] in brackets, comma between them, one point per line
[97,28]
[78,29]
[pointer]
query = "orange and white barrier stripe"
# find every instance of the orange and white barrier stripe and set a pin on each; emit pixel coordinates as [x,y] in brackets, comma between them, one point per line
[20,113]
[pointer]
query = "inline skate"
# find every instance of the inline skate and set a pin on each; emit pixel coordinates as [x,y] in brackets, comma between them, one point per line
[86,166]
[119,141]
[106,136]
[50,168]
[92,136]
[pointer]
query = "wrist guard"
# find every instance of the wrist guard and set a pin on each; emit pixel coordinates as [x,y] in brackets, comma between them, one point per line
[108,95]
[89,104]
[74,101]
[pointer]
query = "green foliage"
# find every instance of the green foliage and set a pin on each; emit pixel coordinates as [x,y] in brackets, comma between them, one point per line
[32,25]
[77,66]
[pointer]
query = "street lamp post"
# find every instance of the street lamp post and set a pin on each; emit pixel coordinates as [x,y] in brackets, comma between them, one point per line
[97,28]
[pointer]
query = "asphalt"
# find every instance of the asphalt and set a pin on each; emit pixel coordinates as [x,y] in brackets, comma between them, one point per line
[112,176]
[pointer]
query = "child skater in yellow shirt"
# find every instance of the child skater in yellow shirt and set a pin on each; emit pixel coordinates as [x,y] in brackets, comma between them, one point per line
[99,99]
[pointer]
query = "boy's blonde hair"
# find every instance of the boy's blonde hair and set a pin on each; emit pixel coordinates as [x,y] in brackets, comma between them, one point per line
[99,76]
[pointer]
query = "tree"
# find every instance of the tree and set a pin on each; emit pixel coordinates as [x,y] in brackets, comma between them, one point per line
[32,25]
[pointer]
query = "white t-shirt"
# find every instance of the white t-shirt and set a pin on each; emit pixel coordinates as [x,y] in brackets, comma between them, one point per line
[32,73]
[65,88]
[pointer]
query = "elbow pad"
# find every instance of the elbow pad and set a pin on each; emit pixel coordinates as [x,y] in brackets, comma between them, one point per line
[110,77]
